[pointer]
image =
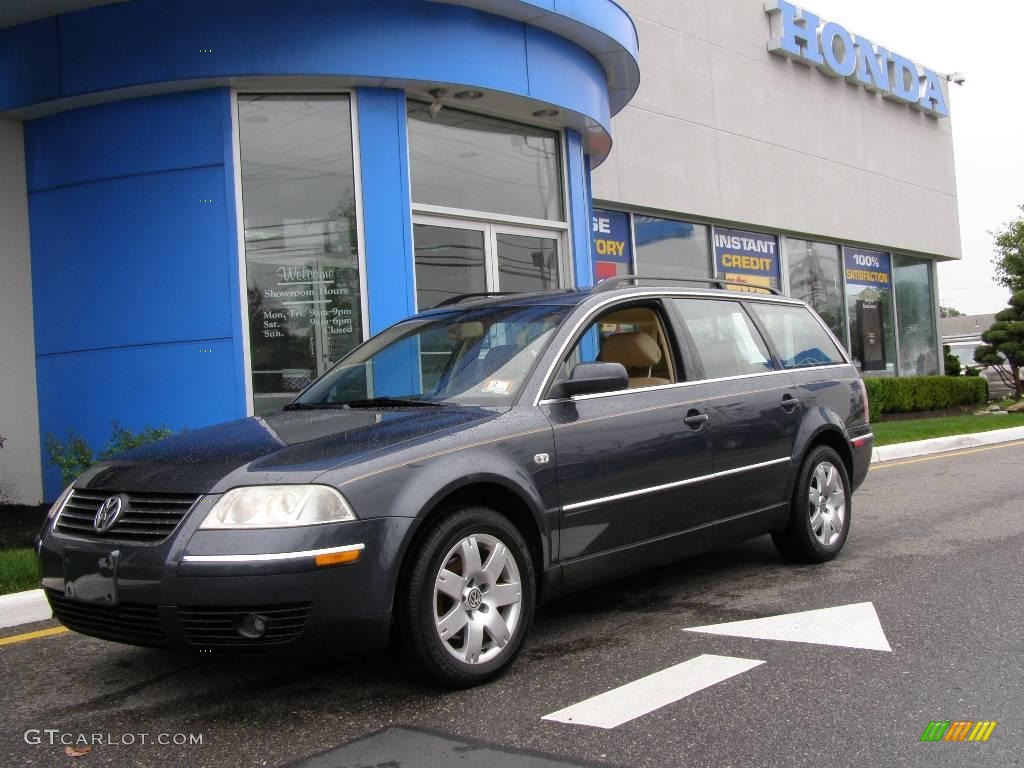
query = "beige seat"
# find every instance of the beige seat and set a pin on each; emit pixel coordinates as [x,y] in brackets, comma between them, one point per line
[634,350]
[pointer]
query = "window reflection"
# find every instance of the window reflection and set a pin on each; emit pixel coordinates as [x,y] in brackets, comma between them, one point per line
[302,265]
[915,314]
[814,277]
[476,163]
[670,248]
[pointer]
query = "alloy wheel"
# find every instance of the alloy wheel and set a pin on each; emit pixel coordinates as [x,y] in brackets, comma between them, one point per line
[478,598]
[826,501]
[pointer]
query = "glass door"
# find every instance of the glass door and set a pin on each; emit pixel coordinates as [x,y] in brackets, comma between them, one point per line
[455,256]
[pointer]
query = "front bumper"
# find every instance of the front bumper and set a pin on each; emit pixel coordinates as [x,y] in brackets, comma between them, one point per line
[230,591]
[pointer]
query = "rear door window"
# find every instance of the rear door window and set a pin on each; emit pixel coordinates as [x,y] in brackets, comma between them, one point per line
[799,339]
[726,340]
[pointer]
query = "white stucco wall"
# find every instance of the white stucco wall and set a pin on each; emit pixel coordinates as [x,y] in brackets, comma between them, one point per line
[20,470]
[724,130]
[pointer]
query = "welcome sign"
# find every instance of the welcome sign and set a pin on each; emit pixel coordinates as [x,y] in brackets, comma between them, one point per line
[800,35]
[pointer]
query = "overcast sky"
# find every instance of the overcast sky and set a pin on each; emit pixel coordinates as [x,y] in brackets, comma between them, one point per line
[982,40]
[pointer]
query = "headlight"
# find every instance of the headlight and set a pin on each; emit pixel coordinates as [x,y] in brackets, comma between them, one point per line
[278,506]
[59,503]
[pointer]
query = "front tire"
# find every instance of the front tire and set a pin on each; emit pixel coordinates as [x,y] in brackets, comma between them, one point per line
[820,513]
[468,598]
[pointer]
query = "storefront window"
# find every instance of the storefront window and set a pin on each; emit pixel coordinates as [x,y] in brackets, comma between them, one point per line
[814,277]
[915,312]
[301,253]
[476,163]
[869,305]
[670,248]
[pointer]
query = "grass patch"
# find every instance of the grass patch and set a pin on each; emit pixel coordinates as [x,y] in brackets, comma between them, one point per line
[18,570]
[903,431]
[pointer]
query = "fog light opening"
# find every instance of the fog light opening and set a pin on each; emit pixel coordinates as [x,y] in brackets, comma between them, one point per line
[250,625]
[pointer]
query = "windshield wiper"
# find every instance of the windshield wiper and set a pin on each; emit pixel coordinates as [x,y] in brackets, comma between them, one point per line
[391,402]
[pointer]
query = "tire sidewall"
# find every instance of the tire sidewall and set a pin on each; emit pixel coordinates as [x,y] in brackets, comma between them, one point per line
[419,624]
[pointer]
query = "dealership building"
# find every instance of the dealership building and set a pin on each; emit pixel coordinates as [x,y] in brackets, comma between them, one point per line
[206,203]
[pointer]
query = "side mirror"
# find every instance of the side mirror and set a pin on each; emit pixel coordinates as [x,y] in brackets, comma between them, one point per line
[589,379]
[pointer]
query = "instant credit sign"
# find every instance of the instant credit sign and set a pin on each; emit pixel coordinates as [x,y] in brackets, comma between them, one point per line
[613,251]
[747,257]
[864,267]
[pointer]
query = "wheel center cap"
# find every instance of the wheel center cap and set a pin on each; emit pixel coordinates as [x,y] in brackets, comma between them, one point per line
[474,598]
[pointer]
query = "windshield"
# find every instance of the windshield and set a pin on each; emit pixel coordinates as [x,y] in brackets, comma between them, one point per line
[473,357]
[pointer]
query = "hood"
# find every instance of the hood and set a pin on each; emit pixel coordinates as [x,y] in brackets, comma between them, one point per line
[297,444]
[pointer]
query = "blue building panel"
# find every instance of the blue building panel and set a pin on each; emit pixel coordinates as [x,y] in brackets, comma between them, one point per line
[387,210]
[159,133]
[580,209]
[29,63]
[179,386]
[136,260]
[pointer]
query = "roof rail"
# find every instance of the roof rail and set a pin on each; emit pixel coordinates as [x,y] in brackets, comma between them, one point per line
[718,282]
[466,296]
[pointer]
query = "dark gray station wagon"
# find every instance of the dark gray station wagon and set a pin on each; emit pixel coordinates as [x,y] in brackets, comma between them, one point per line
[465,464]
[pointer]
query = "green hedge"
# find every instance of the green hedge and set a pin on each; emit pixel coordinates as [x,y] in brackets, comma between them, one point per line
[924,393]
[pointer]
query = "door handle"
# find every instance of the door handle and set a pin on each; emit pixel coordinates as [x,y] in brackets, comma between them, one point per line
[789,403]
[695,419]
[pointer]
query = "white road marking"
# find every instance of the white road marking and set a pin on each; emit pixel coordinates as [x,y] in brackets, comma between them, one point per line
[23,608]
[630,701]
[849,626]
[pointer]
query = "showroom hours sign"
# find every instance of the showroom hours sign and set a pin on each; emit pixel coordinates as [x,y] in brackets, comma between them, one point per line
[303,317]
[307,293]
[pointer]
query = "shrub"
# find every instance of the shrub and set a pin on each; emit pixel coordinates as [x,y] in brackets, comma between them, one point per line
[73,456]
[923,393]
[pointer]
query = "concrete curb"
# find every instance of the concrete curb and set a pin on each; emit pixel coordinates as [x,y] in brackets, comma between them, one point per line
[943,444]
[24,608]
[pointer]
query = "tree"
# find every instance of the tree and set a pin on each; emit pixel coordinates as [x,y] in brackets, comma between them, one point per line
[949,312]
[1009,260]
[952,363]
[1003,349]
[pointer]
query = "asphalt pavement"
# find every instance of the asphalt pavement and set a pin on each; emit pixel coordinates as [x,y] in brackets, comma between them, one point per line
[932,566]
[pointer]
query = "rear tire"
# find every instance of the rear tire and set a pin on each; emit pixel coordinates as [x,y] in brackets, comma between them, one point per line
[468,598]
[820,512]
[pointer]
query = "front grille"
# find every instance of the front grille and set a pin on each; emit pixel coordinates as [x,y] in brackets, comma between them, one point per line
[146,518]
[127,622]
[216,627]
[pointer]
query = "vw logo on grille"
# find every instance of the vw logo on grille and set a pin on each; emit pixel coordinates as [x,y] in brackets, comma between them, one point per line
[107,514]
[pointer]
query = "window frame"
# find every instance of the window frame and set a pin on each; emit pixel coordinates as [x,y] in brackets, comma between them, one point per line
[490,231]
[682,362]
[242,91]
[695,352]
[769,340]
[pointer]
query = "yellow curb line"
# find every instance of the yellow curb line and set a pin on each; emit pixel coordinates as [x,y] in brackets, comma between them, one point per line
[884,464]
[33,635]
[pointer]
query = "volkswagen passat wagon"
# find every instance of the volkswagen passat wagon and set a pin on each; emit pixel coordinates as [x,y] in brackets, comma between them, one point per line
[466,464]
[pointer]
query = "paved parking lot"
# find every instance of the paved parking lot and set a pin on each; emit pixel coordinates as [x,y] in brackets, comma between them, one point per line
[934,553]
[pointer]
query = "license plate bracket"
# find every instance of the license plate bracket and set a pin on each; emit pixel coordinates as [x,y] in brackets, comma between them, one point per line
[91,577]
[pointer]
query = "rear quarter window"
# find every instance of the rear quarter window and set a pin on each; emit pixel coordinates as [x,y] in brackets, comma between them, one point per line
[800,340]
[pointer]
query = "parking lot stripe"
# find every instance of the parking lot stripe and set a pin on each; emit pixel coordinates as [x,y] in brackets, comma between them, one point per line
[25,636]
[849,626]
[628,702]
